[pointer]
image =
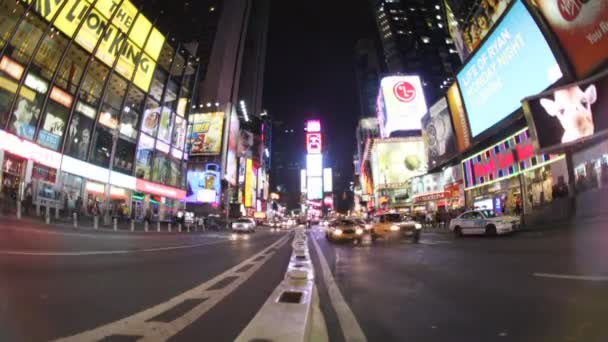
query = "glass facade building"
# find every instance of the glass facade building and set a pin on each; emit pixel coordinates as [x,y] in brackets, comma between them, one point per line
[100,97]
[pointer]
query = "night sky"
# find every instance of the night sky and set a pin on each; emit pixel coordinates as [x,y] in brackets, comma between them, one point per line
[310,70]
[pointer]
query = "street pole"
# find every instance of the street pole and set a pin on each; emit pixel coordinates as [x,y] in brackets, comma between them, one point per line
[106,205]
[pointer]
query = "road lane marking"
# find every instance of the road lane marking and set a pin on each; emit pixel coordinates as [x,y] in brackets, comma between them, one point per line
[351,329]
[88,253]
[571,277]
[140,325]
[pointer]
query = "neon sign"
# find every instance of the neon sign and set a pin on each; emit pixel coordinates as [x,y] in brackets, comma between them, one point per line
[314,143]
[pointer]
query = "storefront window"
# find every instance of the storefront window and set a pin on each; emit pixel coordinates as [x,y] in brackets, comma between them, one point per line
[28,33]
[125,154]
[44,173]
[130,114]
[143,156]
[151,118]
[10,11]
[71,69]
[102,147]
[27,109]
[50,51]
[92,86]
[79,135]
[162,168]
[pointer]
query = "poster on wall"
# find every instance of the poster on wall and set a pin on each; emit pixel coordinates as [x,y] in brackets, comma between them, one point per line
[394,161]
[143,156]
[150,121]
[205,137]
[514,62]
[438,133]
[570,114]
[165,127]
[246,144]
[78,136]
[179,133]
[27,110]
[581,28]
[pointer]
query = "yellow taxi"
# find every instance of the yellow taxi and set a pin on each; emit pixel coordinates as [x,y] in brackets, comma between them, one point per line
[390,226]
[344,230]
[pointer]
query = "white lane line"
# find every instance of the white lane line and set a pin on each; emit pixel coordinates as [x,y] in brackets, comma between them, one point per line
[348,322]
[138,325]
[570,277]
[87,253]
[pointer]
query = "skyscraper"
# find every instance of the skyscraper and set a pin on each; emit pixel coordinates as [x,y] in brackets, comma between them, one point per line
[368,69]
[414,40]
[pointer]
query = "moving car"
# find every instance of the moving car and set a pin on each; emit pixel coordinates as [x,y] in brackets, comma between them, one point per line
[394,226]
[243,225]
[344,230]
[483,222]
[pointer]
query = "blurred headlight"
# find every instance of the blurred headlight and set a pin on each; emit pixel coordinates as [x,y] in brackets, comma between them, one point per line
[394,228]
[359,231]
[337,232]
[418,226]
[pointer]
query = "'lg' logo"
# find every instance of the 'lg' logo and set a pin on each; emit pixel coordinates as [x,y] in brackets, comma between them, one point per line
[404,91]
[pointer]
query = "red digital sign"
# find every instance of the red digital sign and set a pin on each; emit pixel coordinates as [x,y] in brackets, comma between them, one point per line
[314,143]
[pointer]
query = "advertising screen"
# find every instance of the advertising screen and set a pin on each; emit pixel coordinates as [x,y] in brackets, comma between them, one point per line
[206,135]
[314,165]
[203,186]
[315,188]
[401,104]
[313,126]
[513,63]
[314,142]
[481,22]
[231,155]
[569,114]
[582,30]
[328,180]
[394,161]
[438,133]
[459,118]
[248,180]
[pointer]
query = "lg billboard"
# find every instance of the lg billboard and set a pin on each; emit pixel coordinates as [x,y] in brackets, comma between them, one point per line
[401,104]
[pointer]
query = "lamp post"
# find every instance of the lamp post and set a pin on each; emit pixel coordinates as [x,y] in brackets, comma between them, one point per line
[106,205]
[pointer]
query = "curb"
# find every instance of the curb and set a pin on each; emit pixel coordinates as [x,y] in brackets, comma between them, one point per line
[292,312]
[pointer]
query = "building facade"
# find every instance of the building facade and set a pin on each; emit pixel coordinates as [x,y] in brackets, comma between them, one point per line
[93,105]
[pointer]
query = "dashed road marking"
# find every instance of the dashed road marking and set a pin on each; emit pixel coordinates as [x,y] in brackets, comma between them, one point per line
[348,322]
[140,325]
[571,277]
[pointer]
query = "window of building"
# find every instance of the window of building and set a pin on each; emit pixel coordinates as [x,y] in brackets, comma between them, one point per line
[71,69]
[115,94]
[151,117]
[166,56]
[10,11]
[92,86]
[131,113]
[161,169]
[10,73]
[50,51]
[158,83]
[28,33]
[143,158]
[29,103]
[102,146]
[124,156]
[171,94]
[78,135]
[55,119]
[177,69]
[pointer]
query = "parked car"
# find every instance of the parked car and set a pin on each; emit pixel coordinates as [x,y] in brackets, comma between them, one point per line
[344,230]
[243,225]
[393,226]
[483,222]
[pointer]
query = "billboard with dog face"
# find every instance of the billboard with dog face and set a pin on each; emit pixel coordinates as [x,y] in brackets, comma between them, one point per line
[570,114]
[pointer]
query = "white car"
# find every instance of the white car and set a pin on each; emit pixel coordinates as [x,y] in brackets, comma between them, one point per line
[243,225]
[483,222]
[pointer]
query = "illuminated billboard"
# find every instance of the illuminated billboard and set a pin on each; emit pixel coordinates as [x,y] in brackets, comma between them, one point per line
[133,56]
[203,186]
[315,188]
[401,104]
[205,134]
[328,180]
[313,126]
[314,142]
[570,114]
[438,133]
[314,165]
[395,161]
[580,27]
[303,181]
[248,179]
[514,62]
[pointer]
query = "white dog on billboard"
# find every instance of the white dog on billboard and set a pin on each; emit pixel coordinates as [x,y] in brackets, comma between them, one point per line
[572,107]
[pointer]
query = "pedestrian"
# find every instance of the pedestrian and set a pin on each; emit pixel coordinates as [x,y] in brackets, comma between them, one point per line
[29,195]
[148,216]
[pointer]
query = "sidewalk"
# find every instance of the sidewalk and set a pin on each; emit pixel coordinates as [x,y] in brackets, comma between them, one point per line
[86,224]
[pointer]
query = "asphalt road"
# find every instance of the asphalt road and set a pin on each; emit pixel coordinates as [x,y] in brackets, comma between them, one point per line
[533,286]
[57,283]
